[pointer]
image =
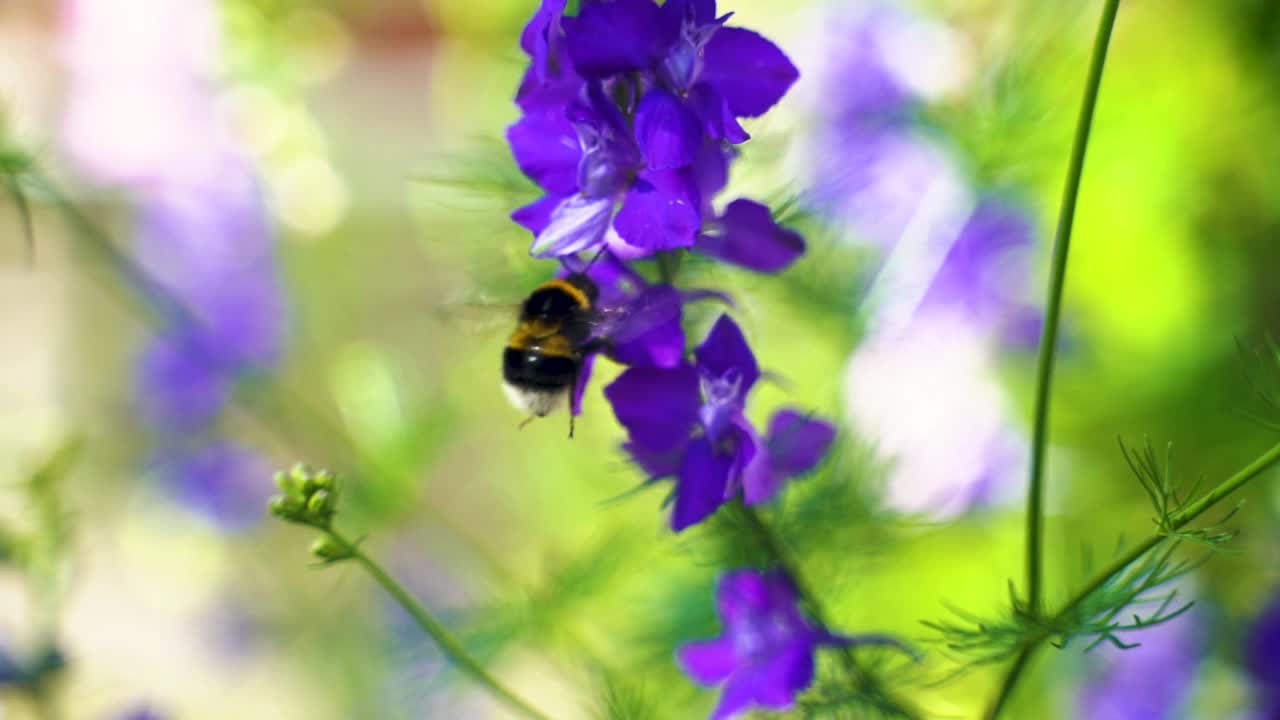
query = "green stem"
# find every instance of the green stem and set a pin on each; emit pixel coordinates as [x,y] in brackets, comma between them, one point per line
[1053,310]
[1020,664]
[447,643]
[1238,480]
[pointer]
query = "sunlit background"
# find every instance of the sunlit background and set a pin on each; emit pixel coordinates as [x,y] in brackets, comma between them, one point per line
[327,185]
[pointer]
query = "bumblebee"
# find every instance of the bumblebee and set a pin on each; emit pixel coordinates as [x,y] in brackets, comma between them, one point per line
[543,357]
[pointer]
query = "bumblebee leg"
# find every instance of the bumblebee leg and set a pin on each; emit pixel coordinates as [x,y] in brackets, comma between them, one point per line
[570,424]
[526,421]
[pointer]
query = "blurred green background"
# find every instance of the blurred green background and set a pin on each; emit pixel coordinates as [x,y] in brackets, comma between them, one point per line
[376,130]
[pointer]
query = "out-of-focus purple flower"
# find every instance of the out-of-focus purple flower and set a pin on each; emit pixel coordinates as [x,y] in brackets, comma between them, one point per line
[765,657]
[688,422]
[220,479]
[931,400]
[141,712]
[626,107]
[203,237]
[1149,682]
[1262,659]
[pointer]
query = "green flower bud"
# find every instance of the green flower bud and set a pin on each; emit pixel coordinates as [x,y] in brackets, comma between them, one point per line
[324,479]
[328,549]
[278,505]
[320,502]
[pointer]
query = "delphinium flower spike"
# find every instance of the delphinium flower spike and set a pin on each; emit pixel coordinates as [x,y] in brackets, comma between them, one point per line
[688,422]
[765,656]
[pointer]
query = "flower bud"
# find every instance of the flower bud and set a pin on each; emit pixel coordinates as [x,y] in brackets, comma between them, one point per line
[320,502]
[328,549]
[323,479]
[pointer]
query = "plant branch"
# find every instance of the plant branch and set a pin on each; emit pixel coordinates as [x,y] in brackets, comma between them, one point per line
[1238,480]
[1053,310]
[447,643]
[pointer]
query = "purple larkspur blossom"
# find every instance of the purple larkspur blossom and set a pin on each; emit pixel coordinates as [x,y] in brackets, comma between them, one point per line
[1262,659]
[688,422]
[1151,681]
[765,657]
[639,323]
[627,107]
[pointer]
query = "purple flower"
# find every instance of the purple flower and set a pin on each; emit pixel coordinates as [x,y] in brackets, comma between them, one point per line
[203,236]
[765,656]
[931,400]
[626,108]
[1262,658]
[219,479]
[1148,682]
[638,325]
[688,422]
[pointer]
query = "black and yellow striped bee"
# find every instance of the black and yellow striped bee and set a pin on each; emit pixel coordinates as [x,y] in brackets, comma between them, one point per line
[544,355]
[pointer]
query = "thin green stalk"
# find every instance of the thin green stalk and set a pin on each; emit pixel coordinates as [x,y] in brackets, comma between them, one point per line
[447,643]
[1053,310]
[1011,679]
[1238,480]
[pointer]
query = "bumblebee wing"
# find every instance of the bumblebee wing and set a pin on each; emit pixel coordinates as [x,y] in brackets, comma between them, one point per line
[653,307]
[476,318]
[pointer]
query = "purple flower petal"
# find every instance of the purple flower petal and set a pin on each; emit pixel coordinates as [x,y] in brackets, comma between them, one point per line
[984,272]
[536,216]
[700,485]
[725,354]
[785,675]
[713,111]
[749,237]
[656,463]
[580,387]
[660,212]
[1262,649]
[710,173]
[668,133]
[738,695]
[180,384]
[700,12]
[615,36]
[741,595]
[545,145]
[533,39]
[648,332]
[221,481]
[708,661]
[578,223]
[760,481]
[796,443]
[748,70]
[658,407]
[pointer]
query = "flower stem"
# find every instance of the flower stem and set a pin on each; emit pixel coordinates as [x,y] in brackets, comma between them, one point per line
[1053,310]
[448,644]
[1238,480]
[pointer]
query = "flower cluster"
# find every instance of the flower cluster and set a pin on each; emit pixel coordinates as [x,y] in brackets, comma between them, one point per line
[630,114]
[630,120]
